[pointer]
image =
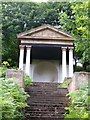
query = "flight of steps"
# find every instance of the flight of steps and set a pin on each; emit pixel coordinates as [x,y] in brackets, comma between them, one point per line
[46,102]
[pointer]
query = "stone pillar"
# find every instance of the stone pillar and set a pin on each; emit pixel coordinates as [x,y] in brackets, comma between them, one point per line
[70,61]
[21,57]
[64,71]
[27,69]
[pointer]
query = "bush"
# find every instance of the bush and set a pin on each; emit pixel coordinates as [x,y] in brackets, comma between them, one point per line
[3,71]
[12,100]
[65,84]
[79,104]
[79,68]
[88,68]
[4,67]
[27,80]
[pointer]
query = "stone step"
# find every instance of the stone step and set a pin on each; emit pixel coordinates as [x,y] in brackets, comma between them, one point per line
[47,94]
[45,84]
[45,109]
[46,102]
[45,88]
[64,104]
[47,91]
[46,113]
[28,117]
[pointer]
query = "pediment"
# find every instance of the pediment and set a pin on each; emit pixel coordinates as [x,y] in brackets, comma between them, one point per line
[45,31]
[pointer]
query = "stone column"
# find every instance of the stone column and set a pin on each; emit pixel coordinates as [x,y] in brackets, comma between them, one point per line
[70,61]
[21,57]
[27,69]
[64,71]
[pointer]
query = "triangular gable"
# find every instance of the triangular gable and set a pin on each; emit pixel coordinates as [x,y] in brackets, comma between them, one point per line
[45,31]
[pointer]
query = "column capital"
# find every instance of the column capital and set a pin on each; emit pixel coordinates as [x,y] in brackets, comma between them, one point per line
[28,46]
[21,46]
[63,48]
[70,48]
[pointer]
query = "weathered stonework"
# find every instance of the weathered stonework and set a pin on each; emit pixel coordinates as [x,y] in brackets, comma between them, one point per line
[79,79]
[46,43]
[17,75]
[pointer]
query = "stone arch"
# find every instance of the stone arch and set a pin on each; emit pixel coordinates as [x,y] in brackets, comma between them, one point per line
[45,72]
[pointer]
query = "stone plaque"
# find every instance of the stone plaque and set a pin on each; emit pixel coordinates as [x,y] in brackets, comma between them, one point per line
[17,75]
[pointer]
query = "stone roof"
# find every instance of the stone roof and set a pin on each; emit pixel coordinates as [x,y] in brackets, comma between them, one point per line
[45,32]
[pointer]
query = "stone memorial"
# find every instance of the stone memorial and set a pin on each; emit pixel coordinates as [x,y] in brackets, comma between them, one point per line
[49,47]
[18,76]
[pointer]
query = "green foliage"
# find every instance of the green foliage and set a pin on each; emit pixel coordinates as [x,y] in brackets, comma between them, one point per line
[12,97]
[88,68]
[81,18]
[12,100]
[71,17]
[19,17]
[3,71]
[4,67]
[75,21]
[5,64]
[79,68]
[27,80]
[64,84]
[0,33]
[79,104]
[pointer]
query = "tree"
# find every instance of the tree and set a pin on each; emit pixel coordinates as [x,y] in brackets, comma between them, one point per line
[19,17]
[0,34]
[77,23]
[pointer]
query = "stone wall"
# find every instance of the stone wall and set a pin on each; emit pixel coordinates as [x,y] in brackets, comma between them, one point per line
[78,79]
[17,75]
